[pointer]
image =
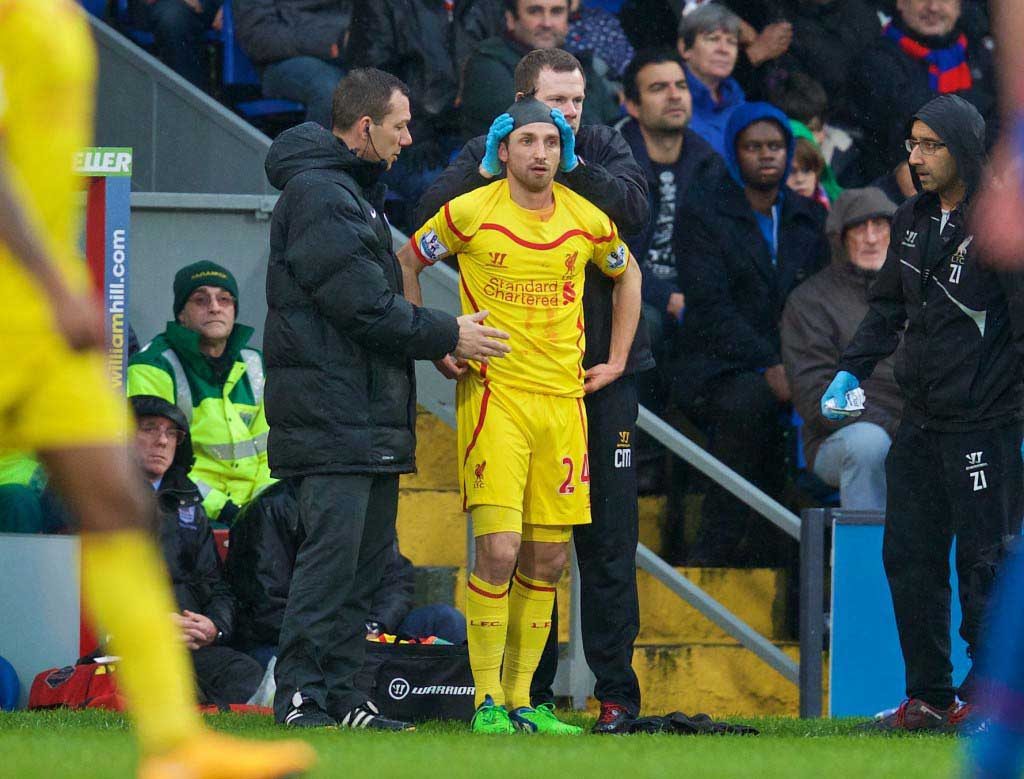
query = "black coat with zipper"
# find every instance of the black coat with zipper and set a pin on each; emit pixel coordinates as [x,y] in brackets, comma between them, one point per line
[340,338]
[959,365]
[734,293]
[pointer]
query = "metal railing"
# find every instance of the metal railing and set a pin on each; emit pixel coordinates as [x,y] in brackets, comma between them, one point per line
[440,290]
[154,216]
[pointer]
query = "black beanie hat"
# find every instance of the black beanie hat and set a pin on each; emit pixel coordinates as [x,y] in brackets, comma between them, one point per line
[201,274]
[529,110]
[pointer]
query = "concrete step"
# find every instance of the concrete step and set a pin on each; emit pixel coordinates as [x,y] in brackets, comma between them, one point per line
[755,595]
[720,679]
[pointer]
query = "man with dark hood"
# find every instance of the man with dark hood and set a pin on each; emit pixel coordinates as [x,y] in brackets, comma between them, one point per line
[206,607]
[745,242]
[954,469]
[820,318]
[340,341]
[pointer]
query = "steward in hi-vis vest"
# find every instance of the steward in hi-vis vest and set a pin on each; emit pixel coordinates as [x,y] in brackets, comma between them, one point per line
[201,364]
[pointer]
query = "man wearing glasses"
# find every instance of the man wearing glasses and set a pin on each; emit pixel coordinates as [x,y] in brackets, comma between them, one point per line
[201,364]
[205,617]
[954,468]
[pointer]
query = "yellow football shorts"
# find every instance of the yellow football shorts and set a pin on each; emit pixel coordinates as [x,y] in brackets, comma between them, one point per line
[524,451]
[54,398]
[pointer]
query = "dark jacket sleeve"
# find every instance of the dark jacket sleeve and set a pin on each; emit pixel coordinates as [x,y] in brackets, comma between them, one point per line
[879,333]
[394,597]
[810,351]
[261,557]
[209,577]
[265,36]
[462,176]
[704,279]
[371,37]
[656,292]
[1013,288]
[333,258]
[610,178]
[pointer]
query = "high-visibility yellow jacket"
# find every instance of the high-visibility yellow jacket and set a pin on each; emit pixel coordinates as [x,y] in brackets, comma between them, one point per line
[223,400]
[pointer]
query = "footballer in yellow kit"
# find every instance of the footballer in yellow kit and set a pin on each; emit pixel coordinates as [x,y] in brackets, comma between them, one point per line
[55,397]
[523,245]
[521,421]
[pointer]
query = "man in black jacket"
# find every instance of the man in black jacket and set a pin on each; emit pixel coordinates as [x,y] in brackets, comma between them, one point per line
[745,243]
[297,44]
[608,176]
[207,608]
[340,341]
[954,469]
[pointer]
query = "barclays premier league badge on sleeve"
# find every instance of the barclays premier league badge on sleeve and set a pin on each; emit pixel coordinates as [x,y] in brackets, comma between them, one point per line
[432,247]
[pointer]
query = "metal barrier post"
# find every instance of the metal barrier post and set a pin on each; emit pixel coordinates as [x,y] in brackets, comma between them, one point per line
[812,616]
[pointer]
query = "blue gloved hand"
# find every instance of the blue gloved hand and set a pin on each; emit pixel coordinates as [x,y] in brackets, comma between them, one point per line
[500,128]
[843,382]
[569,159]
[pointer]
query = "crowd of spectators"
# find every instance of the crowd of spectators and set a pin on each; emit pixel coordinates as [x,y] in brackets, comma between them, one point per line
[748,118]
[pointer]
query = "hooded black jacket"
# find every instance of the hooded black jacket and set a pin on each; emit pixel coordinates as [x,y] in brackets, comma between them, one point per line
[340,339]
[734,293]
[959,365]
[184,533]
[610,178]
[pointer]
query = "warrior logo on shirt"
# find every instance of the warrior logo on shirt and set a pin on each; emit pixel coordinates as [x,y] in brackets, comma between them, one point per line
[976,468]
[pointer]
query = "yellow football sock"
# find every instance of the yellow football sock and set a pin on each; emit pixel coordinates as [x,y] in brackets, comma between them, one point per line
[487,624]
[529,622]
[127,593]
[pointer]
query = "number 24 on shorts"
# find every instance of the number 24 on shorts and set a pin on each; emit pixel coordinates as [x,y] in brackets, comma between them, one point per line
[568,488]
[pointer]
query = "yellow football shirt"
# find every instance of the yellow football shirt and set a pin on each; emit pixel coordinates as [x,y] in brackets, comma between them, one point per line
[47,75]
[527,269]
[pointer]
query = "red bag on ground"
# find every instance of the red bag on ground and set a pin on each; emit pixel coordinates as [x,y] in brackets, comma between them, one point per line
[88,685]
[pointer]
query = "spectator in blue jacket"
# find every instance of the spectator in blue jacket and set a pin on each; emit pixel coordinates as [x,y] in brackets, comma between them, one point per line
[745,242]
[709,42]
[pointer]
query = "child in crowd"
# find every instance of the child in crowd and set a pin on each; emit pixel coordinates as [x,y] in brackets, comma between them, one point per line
[805,173]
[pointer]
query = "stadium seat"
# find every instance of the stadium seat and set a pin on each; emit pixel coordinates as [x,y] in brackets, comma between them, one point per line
[806,480]
[97,8]
[143,38]
[238,71]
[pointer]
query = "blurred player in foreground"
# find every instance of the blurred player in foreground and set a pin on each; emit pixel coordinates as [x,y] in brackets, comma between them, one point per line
[55,397]
[998,748]
[524,243]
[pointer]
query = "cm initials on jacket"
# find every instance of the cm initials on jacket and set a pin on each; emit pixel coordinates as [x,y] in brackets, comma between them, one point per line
[954,365]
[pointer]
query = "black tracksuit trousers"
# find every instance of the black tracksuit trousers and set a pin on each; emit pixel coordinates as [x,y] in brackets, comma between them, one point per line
[606,553]
[941,486]
[346,530]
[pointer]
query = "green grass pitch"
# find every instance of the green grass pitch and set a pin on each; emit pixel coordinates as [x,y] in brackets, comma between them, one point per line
[98,744]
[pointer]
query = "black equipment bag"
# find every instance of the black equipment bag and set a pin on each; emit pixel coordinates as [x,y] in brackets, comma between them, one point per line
[417,682]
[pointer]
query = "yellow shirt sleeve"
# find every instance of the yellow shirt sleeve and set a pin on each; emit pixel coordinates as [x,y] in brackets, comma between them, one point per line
[440,237]
[610,252]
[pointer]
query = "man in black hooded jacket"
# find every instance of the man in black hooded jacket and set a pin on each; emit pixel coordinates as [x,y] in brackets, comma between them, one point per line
[340,341]
[954,468]
[206,616]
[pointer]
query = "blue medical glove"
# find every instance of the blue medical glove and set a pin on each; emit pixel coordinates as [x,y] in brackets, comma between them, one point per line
[841,384]
[500,128]
[569,159]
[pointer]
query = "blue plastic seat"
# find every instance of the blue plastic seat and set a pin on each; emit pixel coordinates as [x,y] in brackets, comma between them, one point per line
[238,71]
